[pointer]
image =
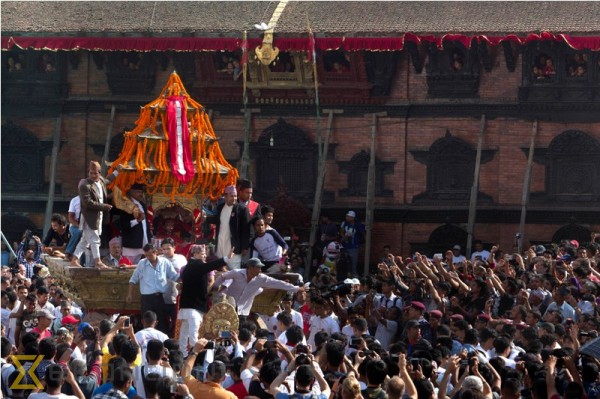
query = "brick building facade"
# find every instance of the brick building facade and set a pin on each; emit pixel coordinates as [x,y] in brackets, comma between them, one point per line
[426,145]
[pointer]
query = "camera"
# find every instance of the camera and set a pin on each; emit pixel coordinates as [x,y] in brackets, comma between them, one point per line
[302,359]
[339,289]
[28,235]
[300,348]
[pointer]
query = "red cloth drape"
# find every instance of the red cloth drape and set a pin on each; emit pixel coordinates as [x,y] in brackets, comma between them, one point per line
[284,44]
[182,166]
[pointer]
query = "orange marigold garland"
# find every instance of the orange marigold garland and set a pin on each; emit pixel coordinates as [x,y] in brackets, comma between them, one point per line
[146,147]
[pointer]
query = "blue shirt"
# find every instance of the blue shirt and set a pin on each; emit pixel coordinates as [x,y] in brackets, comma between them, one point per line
[154,280]
[104,388]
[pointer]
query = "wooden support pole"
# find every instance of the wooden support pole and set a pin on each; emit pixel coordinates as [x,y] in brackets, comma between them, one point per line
[475,189]
[53,162]
[103,166]
[371,192]
[316,212]
[246,152]
[526,188]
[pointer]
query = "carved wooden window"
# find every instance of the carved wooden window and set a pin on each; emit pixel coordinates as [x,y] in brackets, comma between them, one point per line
[442,239]
[380,66]
[450,167]
[285,160]
[227,66]
[337,62]
[573,167]
[572,232]
[22,160]
[452,72]
[554,71]
[131,72]
[357,170]
[35,78]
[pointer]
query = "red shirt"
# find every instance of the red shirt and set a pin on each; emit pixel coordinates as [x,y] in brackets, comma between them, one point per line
[45,334]
[238,389]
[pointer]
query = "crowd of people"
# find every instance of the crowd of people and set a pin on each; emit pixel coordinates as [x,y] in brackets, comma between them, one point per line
[490,325]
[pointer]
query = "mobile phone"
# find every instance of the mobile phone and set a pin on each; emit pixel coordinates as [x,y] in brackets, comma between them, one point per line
[210,345]
[127,323]
[271,337]
[173,389]
[225,334]
[395,358]
[414,363]
[355,342]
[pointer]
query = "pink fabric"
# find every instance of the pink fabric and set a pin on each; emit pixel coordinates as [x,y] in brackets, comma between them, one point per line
[188,165]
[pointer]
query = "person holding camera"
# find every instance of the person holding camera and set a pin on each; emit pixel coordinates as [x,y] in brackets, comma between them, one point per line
[304,379]
[157,358]
[29,252]
[215,375]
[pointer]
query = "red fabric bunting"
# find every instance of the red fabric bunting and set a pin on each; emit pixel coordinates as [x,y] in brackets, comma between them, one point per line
[284,44]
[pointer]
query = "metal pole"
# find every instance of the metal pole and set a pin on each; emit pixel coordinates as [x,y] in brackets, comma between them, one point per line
[10,248]
[108,138]
[371,192]
[475,189]
[319,192]
[51,189]
[527,187]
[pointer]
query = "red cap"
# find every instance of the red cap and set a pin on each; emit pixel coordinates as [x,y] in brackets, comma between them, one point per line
[68,319]
[418,305]
[457,317]
[483,316]
[574,243]
[436,313]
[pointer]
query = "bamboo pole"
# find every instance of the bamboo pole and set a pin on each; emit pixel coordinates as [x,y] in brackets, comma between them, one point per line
[244,174]
[322,170]
[103,166]
[527,187]
[53,162]
[371,192]
[475,189]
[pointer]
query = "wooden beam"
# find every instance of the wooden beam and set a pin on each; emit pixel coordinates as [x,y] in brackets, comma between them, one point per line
[526,188]
[53,162]
[246,152]
[316,212]
[475,189]
[371,192]
[103,166]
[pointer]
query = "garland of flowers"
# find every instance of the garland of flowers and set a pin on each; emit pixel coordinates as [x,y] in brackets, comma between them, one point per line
[144,152]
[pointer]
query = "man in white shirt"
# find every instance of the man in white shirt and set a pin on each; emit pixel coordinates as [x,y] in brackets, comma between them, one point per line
[322,320]
[480,253]
[178,261]
[73,218]
[233,229]
[246,284]
[155,352]
[142,337]
[457,257]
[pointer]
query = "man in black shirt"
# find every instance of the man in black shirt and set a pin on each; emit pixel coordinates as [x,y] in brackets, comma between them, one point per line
[59,232]
[196,282]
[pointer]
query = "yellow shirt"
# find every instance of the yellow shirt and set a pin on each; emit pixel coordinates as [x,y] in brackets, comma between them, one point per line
[106,356]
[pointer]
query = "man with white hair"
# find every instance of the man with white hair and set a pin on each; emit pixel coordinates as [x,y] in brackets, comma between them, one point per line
[233,228]
[115,257]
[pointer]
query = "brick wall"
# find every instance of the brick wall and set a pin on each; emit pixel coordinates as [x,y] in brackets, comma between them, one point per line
[501,178]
